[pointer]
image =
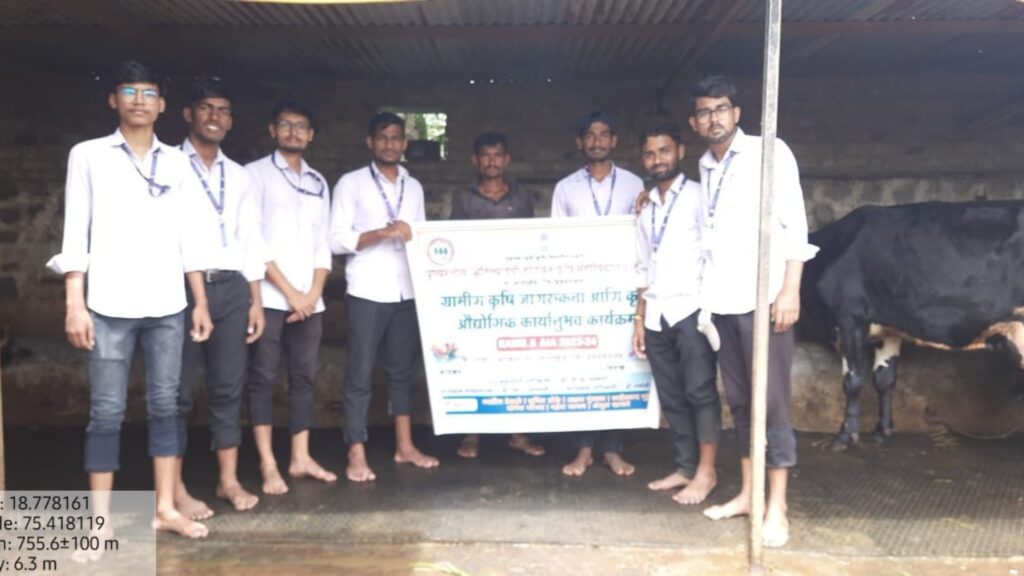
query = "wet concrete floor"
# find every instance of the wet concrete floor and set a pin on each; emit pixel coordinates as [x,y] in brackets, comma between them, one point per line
[920,504]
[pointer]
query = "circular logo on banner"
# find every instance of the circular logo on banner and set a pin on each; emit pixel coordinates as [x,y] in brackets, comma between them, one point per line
[440,251]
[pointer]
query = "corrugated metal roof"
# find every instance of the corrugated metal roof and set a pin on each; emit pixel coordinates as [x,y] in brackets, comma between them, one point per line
[464,38]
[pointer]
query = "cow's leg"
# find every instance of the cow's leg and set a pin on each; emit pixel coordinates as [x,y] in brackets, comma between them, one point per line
[856,371]
[886,360]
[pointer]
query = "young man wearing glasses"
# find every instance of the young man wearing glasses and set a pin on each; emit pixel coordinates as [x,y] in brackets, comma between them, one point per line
[373,207]
[126,202]
[730,182]
[233,291]
[294,206]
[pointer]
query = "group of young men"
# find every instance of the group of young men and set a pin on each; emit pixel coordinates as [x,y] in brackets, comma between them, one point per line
[255,246]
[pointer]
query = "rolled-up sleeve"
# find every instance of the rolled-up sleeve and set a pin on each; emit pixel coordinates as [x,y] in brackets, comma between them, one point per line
[343,237]
[249,233]
[789,206]
[74,255]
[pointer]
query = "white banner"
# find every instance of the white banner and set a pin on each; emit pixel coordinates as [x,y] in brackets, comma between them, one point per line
[527,325]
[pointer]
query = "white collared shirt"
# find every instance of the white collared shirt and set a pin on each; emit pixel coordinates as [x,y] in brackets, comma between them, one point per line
[573,195]
[672,275]
[133,247]
[294,224]
[731,236]
[240,248]
[379,272]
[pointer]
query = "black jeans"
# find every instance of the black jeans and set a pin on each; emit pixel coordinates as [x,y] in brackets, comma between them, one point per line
[683,365]
[223,357]
[736,357]
[300,343]
[603,441]
[369,325]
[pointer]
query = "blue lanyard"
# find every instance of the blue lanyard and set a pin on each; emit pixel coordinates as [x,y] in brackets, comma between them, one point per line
[151,182]
[590,184]
[296,187]
[392,212]
[657,235]
[713,205]
[217,205]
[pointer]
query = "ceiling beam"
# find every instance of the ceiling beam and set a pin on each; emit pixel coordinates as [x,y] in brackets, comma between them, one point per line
[997,117]
[103,14]
[182,35]
[704,44]
[104,17]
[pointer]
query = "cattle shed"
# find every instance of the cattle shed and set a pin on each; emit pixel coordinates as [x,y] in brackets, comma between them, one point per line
[882,101]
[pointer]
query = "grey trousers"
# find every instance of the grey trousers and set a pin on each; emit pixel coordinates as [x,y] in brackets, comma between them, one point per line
[736,358]
[224,357]
[603,441]
[371,324]
[683,365]
[300,344]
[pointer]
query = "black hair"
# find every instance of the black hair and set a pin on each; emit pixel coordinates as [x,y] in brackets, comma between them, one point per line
[295,108]
[135,72]
[208,87]
[383,120]
[597,116]
[713,87]
[670,129]
[490,139]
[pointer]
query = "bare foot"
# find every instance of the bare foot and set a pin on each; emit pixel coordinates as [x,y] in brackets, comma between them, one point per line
[670,482]
[738,506]
[358,470]
[470,446]
[411,455]
[273,483]
[698,489]
[619,466]
[83,555]
[776,528]
[584,459]
[311,469]
[190,507]
[173,521]
[237,496]
[522,443]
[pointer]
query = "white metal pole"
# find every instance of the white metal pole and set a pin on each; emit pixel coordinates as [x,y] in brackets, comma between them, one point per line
[759,377]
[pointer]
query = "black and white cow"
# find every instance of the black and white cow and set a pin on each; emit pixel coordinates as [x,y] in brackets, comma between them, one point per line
[943,275]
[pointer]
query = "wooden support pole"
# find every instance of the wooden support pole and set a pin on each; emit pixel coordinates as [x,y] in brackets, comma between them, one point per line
[759,377]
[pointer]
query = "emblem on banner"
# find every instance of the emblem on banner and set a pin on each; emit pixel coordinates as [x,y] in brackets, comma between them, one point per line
[440,251]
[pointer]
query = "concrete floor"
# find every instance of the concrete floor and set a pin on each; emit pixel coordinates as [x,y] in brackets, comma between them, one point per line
[920,504]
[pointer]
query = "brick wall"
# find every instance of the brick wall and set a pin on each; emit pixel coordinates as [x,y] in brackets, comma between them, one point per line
[858,141]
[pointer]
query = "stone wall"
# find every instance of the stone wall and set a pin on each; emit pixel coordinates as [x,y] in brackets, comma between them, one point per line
[858,141]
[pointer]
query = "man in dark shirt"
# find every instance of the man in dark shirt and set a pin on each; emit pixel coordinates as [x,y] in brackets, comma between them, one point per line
[493,196]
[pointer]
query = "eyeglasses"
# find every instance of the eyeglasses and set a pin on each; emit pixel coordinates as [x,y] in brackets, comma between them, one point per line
[704,114]
[131,93]
[297,127]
